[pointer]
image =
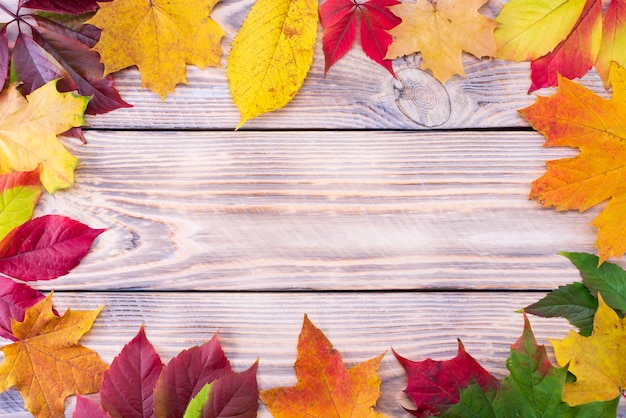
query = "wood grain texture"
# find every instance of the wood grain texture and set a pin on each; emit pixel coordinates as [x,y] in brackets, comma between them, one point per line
[360,326]
[317,210]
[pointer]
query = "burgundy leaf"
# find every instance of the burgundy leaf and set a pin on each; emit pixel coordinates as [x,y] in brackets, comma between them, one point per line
[33,65]
[185,375]
[45,248]
[376,20]
[235,395]
[86,408]
[128,386]
[4,55]
[70,41]
[72,7]
[14,299]
[435,385]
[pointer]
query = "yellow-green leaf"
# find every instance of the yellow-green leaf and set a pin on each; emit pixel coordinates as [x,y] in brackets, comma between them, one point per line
[530,29]
[271,55]
[19,193]
[28,133]
[160,37]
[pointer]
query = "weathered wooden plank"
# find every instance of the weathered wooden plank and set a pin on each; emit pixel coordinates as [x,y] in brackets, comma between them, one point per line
[360,325]
[318,210]
[356,93]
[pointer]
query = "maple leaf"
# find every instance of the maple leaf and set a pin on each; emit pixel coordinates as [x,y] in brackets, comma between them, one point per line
[435,385]
[56,45]
[46,364]
[19,193]
[340,19]
[29,129]
[271,55]
[15,298]
[598,361]
[576,117]
[575,55]
[612,48]
[532,389]
[45,248]
[185,375]
[529,29]
[128,385]
[441,31]
[160,37]
[325,387]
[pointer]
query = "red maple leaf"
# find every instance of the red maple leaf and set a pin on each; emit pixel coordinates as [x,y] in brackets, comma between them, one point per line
[340,19]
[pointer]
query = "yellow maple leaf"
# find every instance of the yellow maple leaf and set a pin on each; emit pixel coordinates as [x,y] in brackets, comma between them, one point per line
[271,55]
[597,361]
[529,29]
[325,388]
[441,31]
[576,117]
[29,128]
[46,364]
[158,36]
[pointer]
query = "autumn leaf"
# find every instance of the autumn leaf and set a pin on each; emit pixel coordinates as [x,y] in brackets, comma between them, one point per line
[575,55]
[128,386]
[46,364]
[45,248]
[613,47]
[340,19]
[271,55]
[435,385]
[529,29]
[28,133]
[441,31]
[15,298]
[160,37]
[325,387]
[87,408]
[532,389]
[576,117]
[185,375]
[19,193]
[598,361]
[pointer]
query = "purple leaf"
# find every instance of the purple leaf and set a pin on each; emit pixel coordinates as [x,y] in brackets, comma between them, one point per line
[45,248]
[128,386]
[4,55]
[34,65]
[72,7]
[185,375]
[235,395]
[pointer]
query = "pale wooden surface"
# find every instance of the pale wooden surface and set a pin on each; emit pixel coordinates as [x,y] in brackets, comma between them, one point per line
[346,205]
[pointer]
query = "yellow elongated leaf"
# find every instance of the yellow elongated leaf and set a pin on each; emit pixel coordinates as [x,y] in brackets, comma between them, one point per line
[271,55]
[530,29]
[160,37]
[28,133]
[613,47]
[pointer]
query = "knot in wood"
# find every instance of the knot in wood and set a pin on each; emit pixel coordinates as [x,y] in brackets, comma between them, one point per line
[421,97]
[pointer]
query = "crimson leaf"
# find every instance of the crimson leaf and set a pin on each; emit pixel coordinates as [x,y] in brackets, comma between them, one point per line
[235,395]
[339,20]
[72,7]
[45,248]
[14,299]
[185,375]
[128,386]
[86,408]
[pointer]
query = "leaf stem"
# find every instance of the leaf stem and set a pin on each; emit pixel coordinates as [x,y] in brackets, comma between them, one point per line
[9,12]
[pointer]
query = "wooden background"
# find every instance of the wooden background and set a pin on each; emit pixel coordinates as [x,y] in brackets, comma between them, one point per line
[394,212]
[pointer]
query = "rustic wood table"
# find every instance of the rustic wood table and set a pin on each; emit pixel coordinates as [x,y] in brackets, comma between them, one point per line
[394,212]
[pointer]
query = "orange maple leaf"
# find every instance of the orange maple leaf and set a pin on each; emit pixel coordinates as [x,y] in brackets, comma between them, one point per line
[46,364]
[576,117]
[325,387]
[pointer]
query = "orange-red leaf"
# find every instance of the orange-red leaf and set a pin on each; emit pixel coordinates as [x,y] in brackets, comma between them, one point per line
[46,364]
[578,118]
[325,387]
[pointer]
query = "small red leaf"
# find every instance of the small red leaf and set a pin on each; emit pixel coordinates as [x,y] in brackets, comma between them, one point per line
[45,248]
[185,375]
[235,395]
[435,385]
[86,408]
[376,20]
[339,20]
[73,7]
[128,386]
[14,299]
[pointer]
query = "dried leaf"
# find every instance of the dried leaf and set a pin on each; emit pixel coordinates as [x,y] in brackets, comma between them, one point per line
[46,364]
[325,387]
[271,55]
